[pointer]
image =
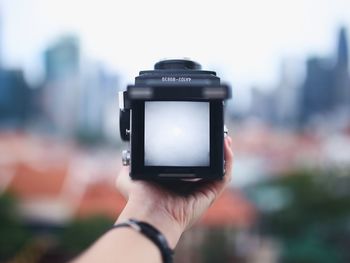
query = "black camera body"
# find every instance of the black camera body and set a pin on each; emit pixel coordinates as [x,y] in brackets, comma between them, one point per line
[173,117]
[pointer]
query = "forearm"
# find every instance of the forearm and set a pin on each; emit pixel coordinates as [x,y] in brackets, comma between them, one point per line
[169,213]
[121,245]
[127,245]
[150,213]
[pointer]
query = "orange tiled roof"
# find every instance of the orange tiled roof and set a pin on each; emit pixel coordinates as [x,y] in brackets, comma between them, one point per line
[101,198]
[231,209]
[29,182]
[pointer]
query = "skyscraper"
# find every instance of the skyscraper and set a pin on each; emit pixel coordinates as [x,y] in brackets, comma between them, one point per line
[78,93]
[326,89]
[14,98]
[341,74]
[317,91]
[342,52]
[1,38]
[62,59]
[61,92]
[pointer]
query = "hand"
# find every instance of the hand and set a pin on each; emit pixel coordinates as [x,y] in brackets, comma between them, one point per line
[171,213]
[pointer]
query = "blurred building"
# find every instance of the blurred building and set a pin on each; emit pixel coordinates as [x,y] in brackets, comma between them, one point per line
[1,39]
[326,90]
[18,100]
[62,59]
[78,93]
[262,105]
[318,89]
[278,106]
[321,99]
[341,76]
[60,95]
[287,95]
[98,103]
[15,98]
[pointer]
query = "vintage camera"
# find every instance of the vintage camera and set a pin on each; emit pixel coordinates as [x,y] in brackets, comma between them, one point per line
[174,119]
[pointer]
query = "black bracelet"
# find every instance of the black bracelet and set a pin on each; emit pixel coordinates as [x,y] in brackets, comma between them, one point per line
[153,234]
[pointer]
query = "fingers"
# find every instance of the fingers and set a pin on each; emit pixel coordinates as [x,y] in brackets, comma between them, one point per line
[123,181]
[218,186]
[228,158]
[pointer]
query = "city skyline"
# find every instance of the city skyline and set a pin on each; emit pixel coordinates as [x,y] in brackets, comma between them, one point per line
[87,89]
[245,42]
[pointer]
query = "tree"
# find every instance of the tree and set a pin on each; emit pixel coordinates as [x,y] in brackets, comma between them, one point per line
[311,217]
[13,235]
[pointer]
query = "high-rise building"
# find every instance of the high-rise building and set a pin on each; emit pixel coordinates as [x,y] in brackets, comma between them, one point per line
[326,89]
[1,38]
[262,105]
[341,74]
[15,95]
[14,98]
[79,95]
[317,91]
[342,52]
[62,60]
[286,94]
[97,102]
[278,106]
[61,92]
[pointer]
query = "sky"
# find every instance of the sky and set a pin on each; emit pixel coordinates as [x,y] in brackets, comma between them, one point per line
[246,41]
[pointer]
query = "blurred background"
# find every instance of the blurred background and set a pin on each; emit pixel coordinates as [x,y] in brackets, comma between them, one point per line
[62,64]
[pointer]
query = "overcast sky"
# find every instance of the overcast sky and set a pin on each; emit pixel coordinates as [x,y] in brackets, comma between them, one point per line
[246,40]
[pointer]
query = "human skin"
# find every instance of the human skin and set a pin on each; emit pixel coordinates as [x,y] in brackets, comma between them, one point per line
[169,212]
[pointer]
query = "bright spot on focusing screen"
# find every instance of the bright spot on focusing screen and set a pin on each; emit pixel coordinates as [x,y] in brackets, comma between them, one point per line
[176,133]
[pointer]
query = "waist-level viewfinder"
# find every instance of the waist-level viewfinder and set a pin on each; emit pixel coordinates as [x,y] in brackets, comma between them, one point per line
[173,117]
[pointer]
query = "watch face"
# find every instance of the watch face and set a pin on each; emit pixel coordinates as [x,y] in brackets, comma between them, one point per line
[177,133]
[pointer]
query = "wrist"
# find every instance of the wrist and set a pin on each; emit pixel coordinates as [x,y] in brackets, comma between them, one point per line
[155,216]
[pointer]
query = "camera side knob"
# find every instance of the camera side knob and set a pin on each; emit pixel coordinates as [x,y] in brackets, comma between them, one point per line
[124,116]
[225,131]
[126,157]
[124,124]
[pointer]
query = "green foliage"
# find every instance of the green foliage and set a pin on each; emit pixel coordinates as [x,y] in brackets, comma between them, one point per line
[218,246]
[309,248]
[73,239]
[313,224]
[13,234]
[81,233]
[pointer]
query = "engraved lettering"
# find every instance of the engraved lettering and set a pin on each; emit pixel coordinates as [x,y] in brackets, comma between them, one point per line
[175,79]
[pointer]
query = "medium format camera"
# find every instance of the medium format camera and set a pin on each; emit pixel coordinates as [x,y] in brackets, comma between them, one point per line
[173,118]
